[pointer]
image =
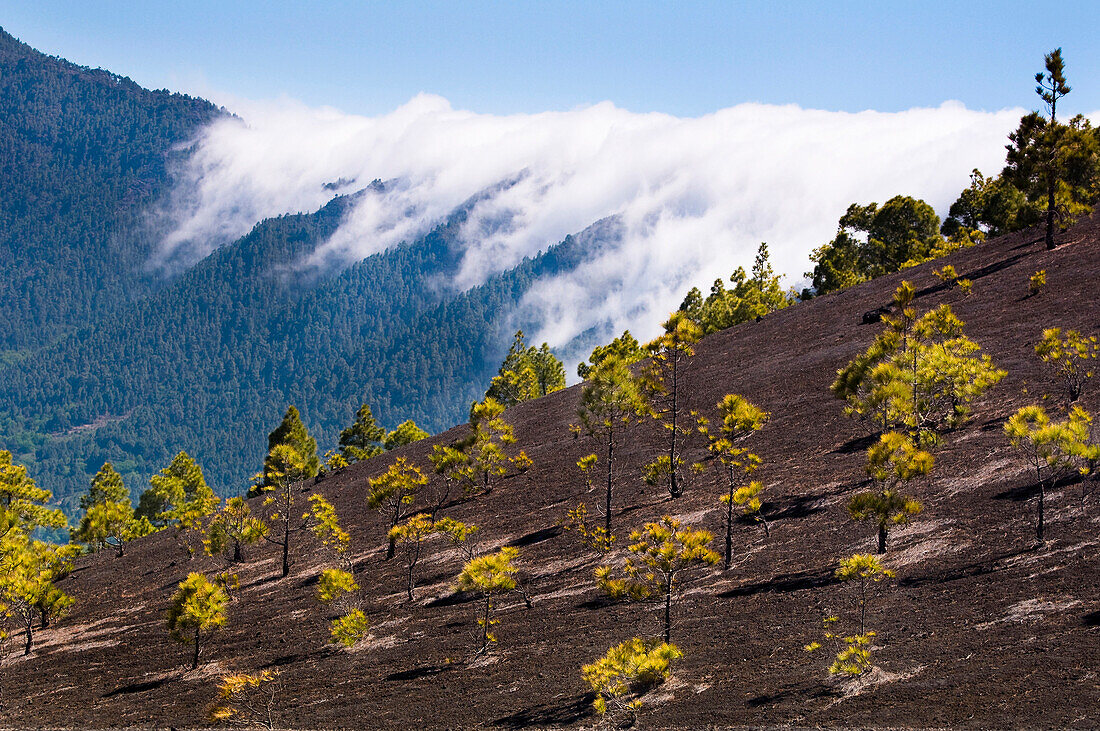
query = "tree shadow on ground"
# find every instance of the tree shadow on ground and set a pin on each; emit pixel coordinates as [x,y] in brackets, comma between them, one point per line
[1030,489]
[563,713]
[970,570]
[857,444]
[1092,619]
[537,536]
[801,507]
[139,687]
[782,584]
[425,671]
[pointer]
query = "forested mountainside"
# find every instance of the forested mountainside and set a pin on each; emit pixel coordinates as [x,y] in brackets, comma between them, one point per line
[83,154]
[979,625]
[102,360]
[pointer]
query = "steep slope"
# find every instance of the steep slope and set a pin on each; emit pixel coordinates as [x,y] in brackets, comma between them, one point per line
[980,628]
[103,359]
[83,154]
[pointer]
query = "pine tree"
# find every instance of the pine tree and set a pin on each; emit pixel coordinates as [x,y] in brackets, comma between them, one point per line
[1069,356]
[485,446]
[178,495]
[406,432]
[363,439]
[108,518]
[410,537]
[1052,449]
[738,420]
[28,570]
[610,401]
[285,470]
[291,432]
[920,375]
[489,576]
[393,493]
[197,606]
[1051,87]
[663,386]
[23,504]
[526,373]
[662,553]
[625,348]
[231,529]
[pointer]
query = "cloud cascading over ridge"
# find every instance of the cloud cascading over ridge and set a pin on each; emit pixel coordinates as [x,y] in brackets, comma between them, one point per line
[694,196]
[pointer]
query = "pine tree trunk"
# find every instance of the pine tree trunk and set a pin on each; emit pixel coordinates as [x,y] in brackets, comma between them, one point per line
[1042,496]
[610,478]
[195,657]
[881,538]
[391,547]
[485,626]
[237,558]
[286,545]
[729,528]
[675,488]
[30,640]
[1050,211]
[668,612]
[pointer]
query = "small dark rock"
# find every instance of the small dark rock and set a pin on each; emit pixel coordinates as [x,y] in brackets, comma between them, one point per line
[872,316]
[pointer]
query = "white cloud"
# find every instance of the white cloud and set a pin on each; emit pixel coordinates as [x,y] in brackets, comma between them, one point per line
[695,196]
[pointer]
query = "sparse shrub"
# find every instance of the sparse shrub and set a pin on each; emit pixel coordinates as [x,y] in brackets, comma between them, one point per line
[410,537]
[462,536]
[350,629]
[865,570]
[626,671]
[966,286]
[1036,283]
[246,701]
[1069,356]
[197,606]
[852,652]
[947,274]
[662,552]
[522,462]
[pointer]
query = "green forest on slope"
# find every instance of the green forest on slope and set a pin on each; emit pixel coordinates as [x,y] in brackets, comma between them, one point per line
[101,361]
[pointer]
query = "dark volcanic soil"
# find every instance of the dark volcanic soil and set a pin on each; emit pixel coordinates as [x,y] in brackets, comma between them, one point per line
[980,628]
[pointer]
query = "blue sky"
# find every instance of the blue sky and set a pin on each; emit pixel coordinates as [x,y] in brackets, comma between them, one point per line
[684,58]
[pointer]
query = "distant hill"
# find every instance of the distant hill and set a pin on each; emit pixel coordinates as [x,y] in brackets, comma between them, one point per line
[980,627]
[101,360]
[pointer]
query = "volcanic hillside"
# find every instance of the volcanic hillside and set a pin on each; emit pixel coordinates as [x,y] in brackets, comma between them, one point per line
[980,628]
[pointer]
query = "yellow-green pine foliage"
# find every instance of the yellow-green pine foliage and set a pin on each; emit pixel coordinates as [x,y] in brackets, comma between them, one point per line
[393,492]
[625,348]
[489,435]
[526,373]
[490,575]
[409,537]
[1036,282]
[865,570]
[662,384]
[626,671]
[108,518]
[334,584]
[1069,356]
[1052,449]
[232,528]
[197,606]
[291,433]
[28,570]
[853,652]
[454,466]
[363,439]
[406,432]
[462,536]
[23,504]
[738,419]
[178,494]
[892,460]
[610,401]
[592,537]
[753,295]
[325,525]
[920,375]
[245,701]
[349,629]
[661,553]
